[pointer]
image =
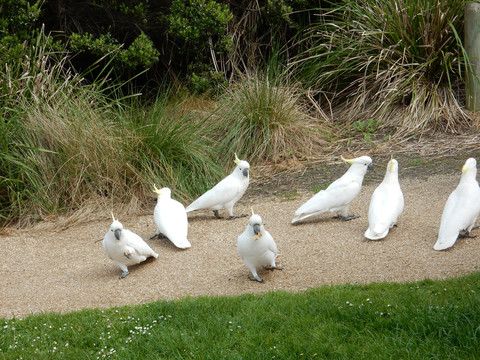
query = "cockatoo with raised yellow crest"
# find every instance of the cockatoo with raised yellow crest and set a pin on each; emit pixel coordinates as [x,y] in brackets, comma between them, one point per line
[461,209]
[170,218]
[386,204]
[338,196]
[256,247]
[125,247]
[226,193]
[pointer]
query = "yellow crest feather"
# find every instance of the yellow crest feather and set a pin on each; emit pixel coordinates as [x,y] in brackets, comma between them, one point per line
[156,191]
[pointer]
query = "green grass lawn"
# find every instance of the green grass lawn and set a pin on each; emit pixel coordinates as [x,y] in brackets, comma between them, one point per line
[423,320]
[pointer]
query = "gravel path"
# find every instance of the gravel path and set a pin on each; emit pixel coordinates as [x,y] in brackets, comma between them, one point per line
[47,269]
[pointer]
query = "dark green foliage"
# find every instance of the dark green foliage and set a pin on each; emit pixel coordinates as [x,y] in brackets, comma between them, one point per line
[199,29]
[141,53]
[197,21]
[18,18]
[17,25]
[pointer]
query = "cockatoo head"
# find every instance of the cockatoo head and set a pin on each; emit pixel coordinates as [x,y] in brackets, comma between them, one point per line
[470,167]
[163,192]
[243,167]
[362,161]
[256,223]
[392,166]
[469,164]
[116,227]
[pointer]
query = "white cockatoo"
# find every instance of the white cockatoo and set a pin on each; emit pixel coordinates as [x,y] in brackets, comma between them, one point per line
[256,247]
[226,193]
[171,219]
[338,196]
[125,247]
[386,204]
[461,209]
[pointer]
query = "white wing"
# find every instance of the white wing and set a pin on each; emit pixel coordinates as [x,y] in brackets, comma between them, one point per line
[338,195]
[137,243]
[218,196]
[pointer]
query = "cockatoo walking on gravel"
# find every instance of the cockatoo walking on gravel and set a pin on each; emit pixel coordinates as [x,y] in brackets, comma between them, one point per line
[461,209]
[226,193]
[257,248]
[386,204]
[338,196]
[125,247]
[171,219]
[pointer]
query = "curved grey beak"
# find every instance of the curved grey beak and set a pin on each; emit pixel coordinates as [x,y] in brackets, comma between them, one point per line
[370,166]
[245,172]
[256,229]
[117,234]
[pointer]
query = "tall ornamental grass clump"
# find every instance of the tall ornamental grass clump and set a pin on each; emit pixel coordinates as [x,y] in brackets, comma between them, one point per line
[398,61]
[266,118]
[169,144]
[68,147]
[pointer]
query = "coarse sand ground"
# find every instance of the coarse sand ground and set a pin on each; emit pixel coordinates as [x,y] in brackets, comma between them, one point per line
[55,268]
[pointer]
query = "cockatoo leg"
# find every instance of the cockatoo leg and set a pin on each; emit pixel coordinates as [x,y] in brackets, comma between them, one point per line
[158,235]
[255,278]
[464,234]
[124,268]
[254,273]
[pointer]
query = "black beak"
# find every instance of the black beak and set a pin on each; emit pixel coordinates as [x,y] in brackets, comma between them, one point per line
[370,166]
[256,229]
[245,172]
[117,234]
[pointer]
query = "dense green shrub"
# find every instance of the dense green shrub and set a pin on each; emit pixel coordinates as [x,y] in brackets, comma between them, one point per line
[141,53]
[17,25]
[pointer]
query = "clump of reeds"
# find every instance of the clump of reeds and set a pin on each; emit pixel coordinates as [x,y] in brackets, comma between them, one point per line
[268,119]
[400,62]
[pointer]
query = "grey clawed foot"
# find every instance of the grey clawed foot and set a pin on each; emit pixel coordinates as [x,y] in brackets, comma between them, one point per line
[346,218]
[271,268]
[125,273]
[217,215]
[158,236]
[255,279]
[466,235]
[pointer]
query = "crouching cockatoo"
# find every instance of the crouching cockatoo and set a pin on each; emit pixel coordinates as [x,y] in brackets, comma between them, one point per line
[125,247]
[171,219]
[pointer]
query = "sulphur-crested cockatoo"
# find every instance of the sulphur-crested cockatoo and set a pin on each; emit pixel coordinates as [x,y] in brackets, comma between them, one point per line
[125,247]
[257,248]
[461,209]
[338,196]
[386,204]
[226,193]
[171,219]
